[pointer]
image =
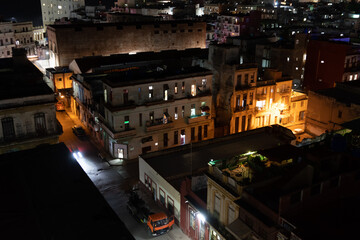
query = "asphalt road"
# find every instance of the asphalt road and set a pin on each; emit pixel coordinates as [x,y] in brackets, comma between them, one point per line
[114,182]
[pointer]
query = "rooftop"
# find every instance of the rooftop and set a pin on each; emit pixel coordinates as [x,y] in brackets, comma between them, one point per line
[195,157]
[46,195]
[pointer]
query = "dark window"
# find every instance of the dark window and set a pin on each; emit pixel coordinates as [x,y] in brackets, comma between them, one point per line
[156,32]
[190,30]
[176,137]
[205,131]
[146,149]
[173,31]
[295,197]
[199,30]
[140,119]
[119,27]
[8,128]
[339,114]
[138,26]
[78,29]
[190,24]
[165,31]
[334,182]
[182,30]
[156,26]
[165,139]
[301,115]
[126,96]
[99,28]
[40,126]
[173,25]
[192,134]
[200,133]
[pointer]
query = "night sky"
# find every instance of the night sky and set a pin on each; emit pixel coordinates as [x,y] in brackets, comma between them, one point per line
[30,10]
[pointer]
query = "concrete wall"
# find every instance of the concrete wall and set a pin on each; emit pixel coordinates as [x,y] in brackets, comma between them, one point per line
[70,42]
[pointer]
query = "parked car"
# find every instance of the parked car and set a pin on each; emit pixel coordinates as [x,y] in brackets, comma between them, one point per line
[78,131]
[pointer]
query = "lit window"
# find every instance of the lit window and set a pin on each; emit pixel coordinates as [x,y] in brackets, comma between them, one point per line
[176,88]
[59,7]
[288,59]
[193,90]
[304,57]
[193,111]
[322,61]
[296,68]
[105,95]
[151,92]
[355,77]
[350,77]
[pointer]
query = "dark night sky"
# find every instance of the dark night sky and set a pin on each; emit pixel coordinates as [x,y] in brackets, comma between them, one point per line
[30,10]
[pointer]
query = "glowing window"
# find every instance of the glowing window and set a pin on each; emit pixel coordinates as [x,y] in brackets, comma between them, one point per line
[193,90]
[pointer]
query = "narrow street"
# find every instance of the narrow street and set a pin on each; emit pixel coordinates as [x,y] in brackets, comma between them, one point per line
[114,182]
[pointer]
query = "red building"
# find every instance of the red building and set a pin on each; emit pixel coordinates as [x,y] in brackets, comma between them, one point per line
[326,64]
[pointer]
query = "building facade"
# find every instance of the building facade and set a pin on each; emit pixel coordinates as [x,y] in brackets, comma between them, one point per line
[67,42]
[28,117]
[52,10]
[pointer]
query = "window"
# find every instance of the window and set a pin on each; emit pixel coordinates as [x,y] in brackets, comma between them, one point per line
[156,32]
[251,98]
[162,197]
[126,96]
[203,83]
[139,93]
[176,113]
[339,114]
[246,79]
[182,111]
[237,101]
[176,137]
[200,133]
[183,87]
[217,205]
[140,119]
[165,139]
[231,214]
[193,110]
[176,88]
[182,137]
[315,190]
[192,134]
[295,197]
[151,92]
[126,122]
[40,125]
[8,128]
[238,80]
[170,205]
[301,115]
[205,131]
[138,26]
[151,116]
[59,79]
[193,90]
[192,219]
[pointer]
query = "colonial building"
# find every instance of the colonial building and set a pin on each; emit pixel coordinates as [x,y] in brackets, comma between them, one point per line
[16,34]
[246,101]
[67,42]
[27,109]
[187,200]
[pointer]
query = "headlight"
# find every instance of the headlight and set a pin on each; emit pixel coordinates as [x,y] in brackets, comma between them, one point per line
[79,155]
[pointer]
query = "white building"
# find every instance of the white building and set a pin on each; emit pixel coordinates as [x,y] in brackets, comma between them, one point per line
[57,9]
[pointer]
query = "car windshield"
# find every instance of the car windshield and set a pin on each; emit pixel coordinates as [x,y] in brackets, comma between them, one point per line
[161,222]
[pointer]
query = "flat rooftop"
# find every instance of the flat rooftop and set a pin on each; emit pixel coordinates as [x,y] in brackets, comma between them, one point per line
[45,194]
[183,160]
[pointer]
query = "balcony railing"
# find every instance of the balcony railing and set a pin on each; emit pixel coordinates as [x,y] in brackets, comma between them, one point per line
[34,135]
[241,108]
[198,118]
[119,134]
[158,124]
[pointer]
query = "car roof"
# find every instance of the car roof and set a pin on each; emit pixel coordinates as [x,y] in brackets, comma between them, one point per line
[158,216]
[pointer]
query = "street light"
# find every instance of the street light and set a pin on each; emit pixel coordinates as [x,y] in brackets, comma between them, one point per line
[200,217]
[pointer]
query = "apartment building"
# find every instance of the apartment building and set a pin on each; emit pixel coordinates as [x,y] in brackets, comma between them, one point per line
[16,35]
[269,101]
[71,41]
[27,109]
[145,110]
[56,9]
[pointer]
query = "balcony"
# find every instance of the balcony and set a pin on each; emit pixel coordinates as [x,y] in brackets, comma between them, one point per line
[197,118]
[119,134]
[158,124]
[241,108]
